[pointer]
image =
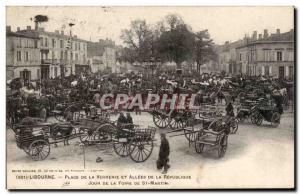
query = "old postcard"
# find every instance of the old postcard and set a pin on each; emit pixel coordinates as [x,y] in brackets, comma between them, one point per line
[150,97]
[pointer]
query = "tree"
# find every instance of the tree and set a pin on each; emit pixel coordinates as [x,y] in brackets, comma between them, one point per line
[168,40]
[126,55]
[138,39]
[41,18]
[38,19]
[177,41]
[204,48]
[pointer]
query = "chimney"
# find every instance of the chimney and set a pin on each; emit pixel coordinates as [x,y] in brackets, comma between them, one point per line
[245,39]
[62,32]
[254,36]
[28,27]
[278,31]
[41,29]
[18,29]
[260,36]
[36,26]
[8,28]
[265,33]
[56,31]
[75,36]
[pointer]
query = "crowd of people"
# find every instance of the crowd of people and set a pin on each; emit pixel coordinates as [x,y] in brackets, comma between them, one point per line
[209,88]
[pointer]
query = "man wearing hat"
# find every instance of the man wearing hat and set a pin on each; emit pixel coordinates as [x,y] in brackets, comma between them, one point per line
[163,157]
[229,109]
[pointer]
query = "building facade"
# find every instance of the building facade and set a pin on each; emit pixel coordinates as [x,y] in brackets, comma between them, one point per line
[102,56]
[60,54]
[22,56]
[227,57]
[271,55]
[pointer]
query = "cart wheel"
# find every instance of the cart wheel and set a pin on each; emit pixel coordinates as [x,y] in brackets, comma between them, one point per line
[233,126]
[86,135]
[190,136]
[140,151]
[161,121]
[256,119]
[39,150]
[102,137]
[253,117]
[105,132]
[275,120]
[259,119]
[240,117]
[122,148]
[177,123]
[222,146]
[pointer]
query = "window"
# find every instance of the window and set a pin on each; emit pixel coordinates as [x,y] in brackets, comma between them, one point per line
[290,56]
[38,73]
[252,56]
[266,55]
[53,55]
[46,42]
[26,56]
[279,55]
[42,42]
[19,42]
[61,55]
[53,43]
[19,58]
[240,57]
[52,71]
[35,44]
[25,75]
[291,71]
[55,71]
[61,44]
[76,56]
[267,70]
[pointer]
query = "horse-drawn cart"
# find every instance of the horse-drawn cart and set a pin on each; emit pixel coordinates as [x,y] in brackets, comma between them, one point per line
[36,139]
[268,113]
[127,139]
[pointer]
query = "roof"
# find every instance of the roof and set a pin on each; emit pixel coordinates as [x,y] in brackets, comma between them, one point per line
[282,37]
[287,36]
[227,47]
[50,34]
[21,34]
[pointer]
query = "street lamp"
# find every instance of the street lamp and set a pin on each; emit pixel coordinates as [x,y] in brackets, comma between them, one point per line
[152,64]
[70,47]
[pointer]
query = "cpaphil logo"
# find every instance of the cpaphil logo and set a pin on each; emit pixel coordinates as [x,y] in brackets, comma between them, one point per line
[162,101]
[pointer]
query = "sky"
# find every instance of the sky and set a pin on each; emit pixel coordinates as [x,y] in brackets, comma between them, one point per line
[94,23]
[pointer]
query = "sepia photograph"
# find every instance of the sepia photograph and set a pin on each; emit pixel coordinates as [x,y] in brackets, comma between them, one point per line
[150,97]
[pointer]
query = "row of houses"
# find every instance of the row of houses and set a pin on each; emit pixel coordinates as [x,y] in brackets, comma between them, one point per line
[259,54]
[34,54]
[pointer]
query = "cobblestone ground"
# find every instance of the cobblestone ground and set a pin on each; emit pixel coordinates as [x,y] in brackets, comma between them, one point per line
[256,157]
